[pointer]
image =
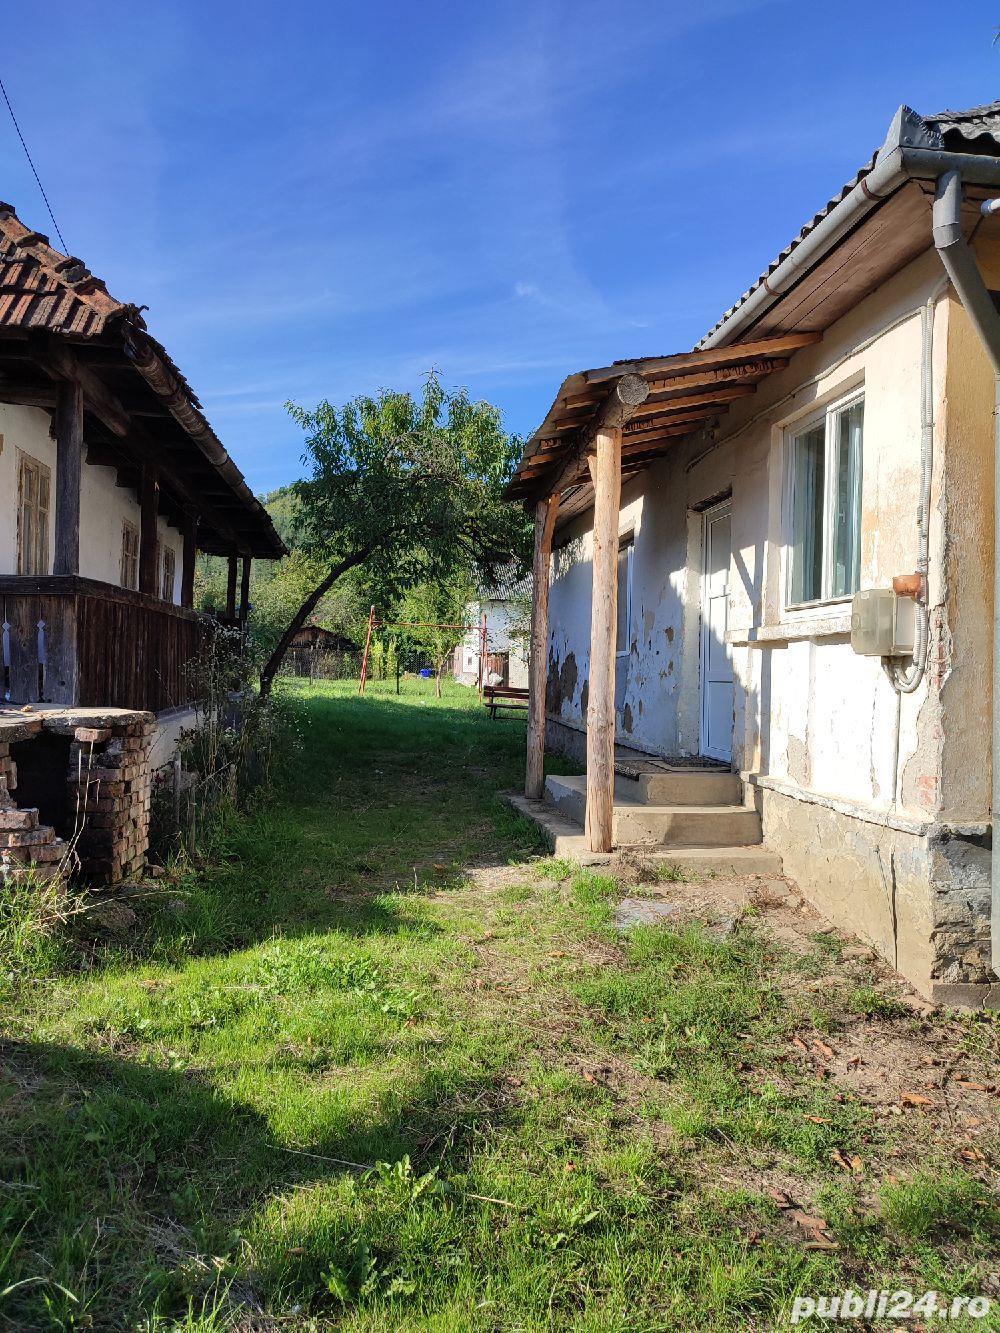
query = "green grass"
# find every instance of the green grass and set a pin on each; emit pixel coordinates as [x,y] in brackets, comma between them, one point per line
[337,1079]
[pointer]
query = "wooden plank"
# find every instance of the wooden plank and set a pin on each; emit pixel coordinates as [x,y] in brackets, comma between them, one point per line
[888,239]
[605,470]
[643,425]
[717,356]
[720,395]
[188,560]
[545,522]
[69,470]
[231,587]
[245,591]
[723,375]
[149,508]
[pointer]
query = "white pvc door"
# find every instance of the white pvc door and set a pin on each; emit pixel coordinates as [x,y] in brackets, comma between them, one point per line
[716,662]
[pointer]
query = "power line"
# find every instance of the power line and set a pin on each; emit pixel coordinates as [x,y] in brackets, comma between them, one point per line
[33,168]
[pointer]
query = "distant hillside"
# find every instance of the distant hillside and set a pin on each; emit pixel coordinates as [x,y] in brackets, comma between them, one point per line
[282,506]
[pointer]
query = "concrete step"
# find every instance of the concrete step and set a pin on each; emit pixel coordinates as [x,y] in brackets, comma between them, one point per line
[638,824]
[716,860]
[681,786]
[565,838]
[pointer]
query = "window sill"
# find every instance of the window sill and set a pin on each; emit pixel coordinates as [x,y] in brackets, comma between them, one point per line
[821,626]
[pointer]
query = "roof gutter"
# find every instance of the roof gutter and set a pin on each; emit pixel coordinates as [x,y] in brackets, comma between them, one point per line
[912,151]
[960,265]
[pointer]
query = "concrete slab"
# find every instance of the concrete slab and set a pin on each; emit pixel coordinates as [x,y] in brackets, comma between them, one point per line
[643,912]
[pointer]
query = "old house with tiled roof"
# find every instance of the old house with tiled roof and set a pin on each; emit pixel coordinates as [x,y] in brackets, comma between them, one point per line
[764,572]
[111,480]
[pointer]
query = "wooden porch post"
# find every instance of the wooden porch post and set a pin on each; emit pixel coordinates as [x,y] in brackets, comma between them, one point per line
[606,471]
[245,592]
[190,554]
[231,588]
[149,505]
[545,521]
[605,460]
[69,466]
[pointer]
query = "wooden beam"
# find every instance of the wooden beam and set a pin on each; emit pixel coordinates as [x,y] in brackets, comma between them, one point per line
[605,471]
[642,425]
[69,471]
[718,356]
[545,522]
[245,591]
[231,588]
[721,395]
[619,406]
[720,375]
[20,397]
[149,508]
[188,559]
[58,361]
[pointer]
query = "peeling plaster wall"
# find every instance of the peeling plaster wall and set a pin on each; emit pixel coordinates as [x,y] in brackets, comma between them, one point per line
[810,716]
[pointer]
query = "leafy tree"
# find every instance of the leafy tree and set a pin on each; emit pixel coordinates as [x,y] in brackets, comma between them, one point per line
[437,611]
[409,489]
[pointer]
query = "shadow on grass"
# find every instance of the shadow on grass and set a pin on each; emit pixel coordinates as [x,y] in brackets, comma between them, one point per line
[128,1190]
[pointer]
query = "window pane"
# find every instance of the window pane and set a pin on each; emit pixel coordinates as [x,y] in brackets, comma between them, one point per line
[621,642]
[847,501]
[808,467]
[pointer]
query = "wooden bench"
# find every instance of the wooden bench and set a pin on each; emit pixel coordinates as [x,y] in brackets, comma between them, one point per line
[503,697]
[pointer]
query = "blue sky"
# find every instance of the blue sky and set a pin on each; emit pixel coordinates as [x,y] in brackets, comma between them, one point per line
[319,199]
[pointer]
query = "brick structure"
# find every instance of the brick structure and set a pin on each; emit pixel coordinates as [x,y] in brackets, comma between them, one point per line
[110,783]
[102,829]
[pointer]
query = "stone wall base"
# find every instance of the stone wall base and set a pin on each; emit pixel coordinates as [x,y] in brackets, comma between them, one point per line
[570,742]
[921,899]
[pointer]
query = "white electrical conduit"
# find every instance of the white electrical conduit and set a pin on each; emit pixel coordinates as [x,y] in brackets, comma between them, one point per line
[906,681]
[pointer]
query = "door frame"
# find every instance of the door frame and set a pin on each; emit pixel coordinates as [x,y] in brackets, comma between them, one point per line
[707,515]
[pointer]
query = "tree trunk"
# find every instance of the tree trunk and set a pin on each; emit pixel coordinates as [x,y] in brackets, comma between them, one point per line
[437,678]
[273,664]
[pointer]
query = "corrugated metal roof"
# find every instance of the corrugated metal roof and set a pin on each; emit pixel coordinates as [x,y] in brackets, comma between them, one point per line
[977,122]
[950,129]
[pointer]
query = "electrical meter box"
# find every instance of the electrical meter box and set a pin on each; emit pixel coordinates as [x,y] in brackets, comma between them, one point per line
[882,623]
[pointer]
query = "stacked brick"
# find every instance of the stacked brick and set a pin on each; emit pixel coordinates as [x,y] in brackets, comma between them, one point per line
[110,787]
[26,846]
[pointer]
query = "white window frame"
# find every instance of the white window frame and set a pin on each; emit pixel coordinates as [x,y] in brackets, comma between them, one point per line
[826,415]
[626,541]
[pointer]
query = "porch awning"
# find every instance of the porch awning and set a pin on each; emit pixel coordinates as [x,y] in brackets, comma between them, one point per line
[686,392]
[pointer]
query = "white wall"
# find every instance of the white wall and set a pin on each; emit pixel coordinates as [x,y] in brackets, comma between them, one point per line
[104,506]
[24,428]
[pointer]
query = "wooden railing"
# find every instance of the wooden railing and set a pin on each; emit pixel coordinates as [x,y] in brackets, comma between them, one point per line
[69,640]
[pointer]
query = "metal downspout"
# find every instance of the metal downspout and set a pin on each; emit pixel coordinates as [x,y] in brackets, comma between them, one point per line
[961,267]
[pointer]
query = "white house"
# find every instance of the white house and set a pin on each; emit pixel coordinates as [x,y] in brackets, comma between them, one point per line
[705,521]
[505,654]
[110,480]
